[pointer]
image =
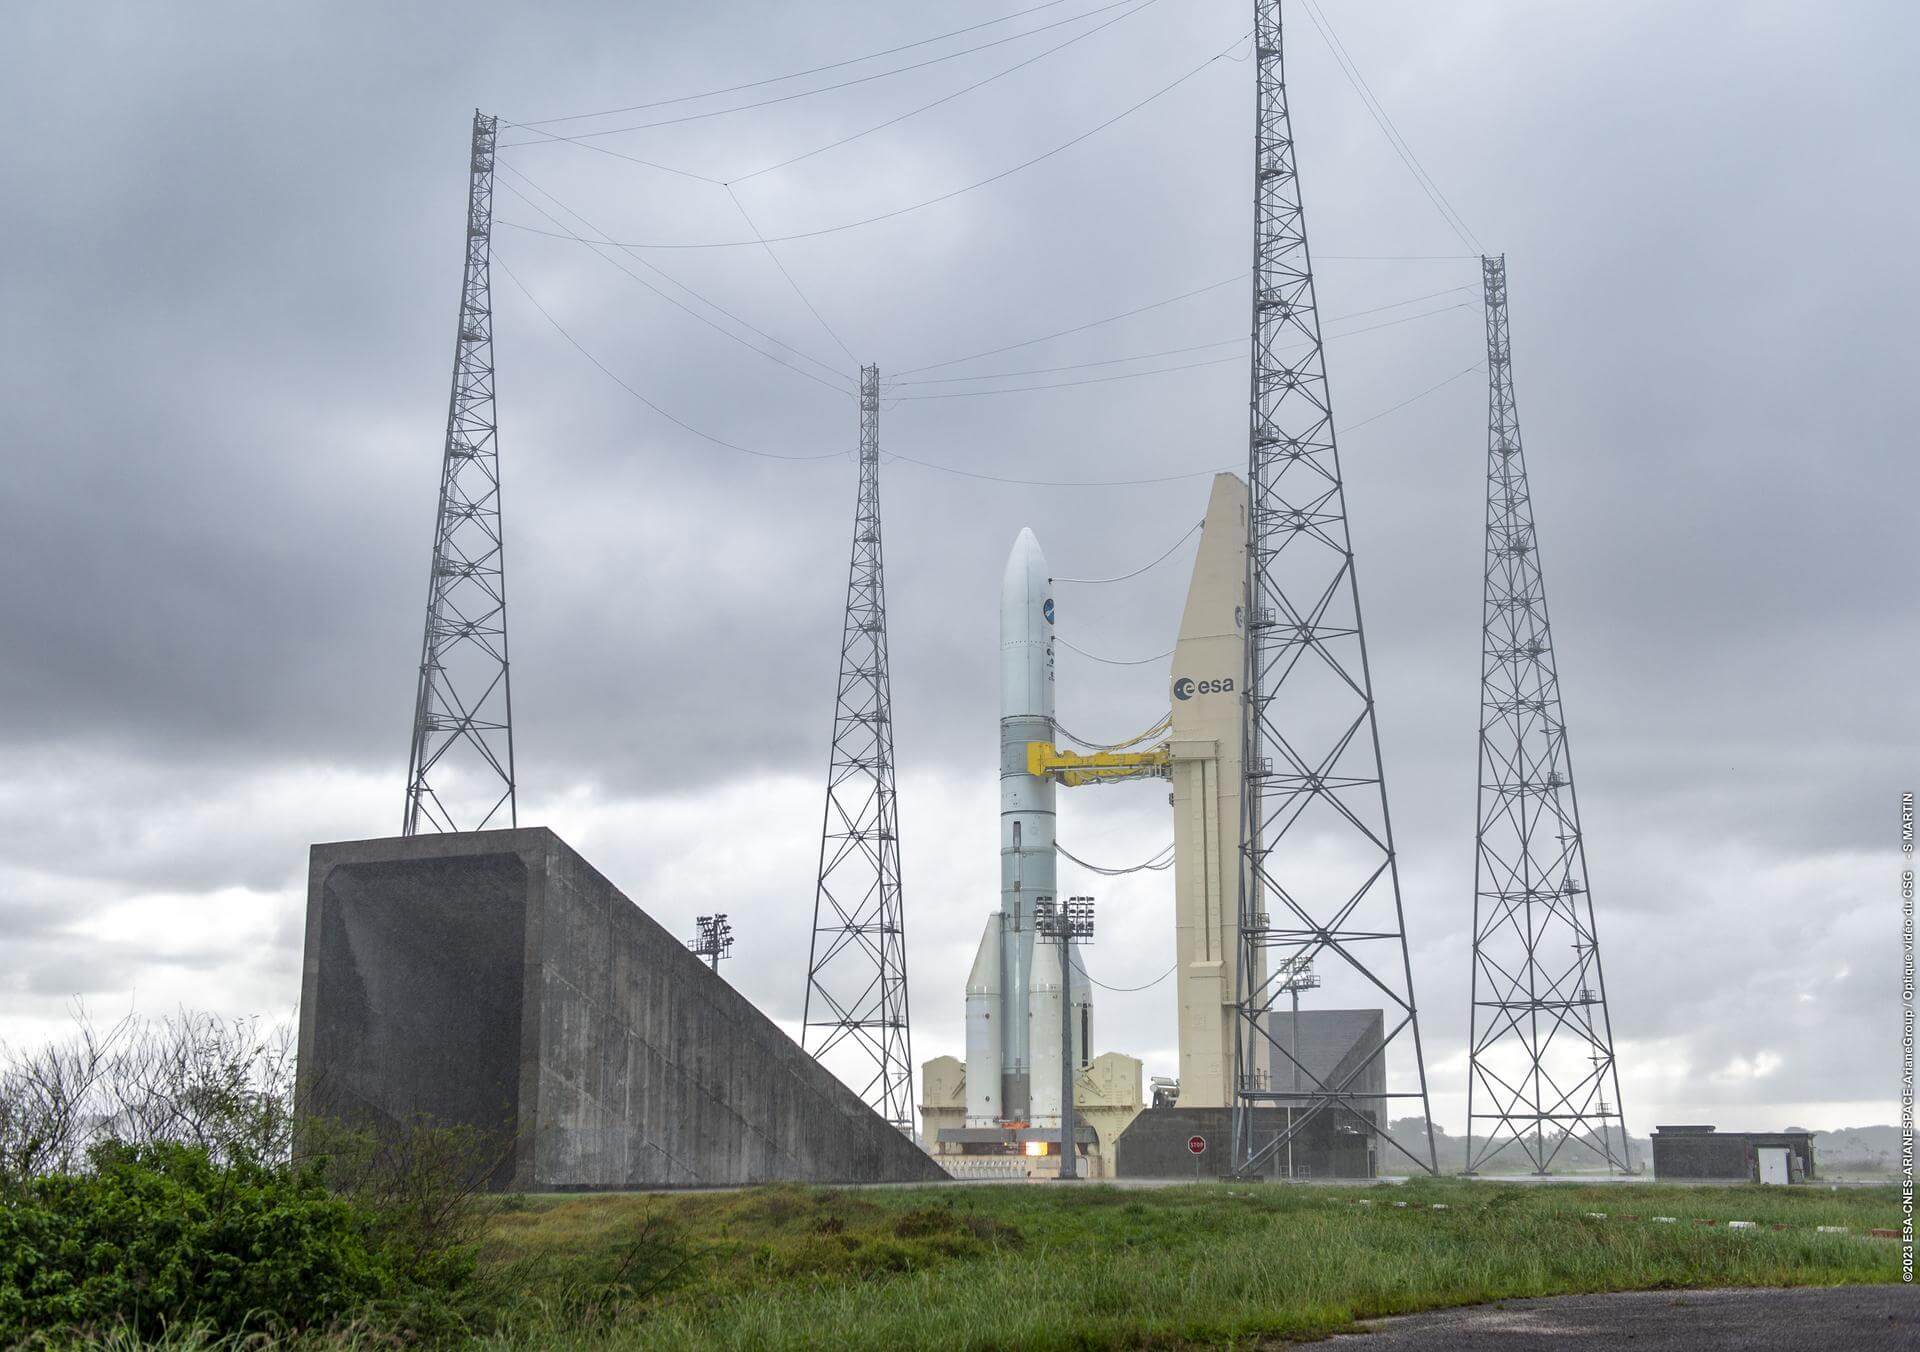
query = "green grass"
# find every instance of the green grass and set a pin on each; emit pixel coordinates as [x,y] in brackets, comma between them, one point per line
[1046,1266]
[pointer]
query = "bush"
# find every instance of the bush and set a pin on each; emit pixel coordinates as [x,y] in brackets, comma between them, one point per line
[159,1236]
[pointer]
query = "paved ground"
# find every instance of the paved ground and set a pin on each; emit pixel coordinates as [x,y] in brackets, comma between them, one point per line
[1858,1318]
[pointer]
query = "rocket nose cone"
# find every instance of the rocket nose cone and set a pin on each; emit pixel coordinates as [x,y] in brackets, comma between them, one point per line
[1026,566]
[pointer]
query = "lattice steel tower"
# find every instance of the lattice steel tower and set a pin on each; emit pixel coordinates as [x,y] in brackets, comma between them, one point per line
[1319,883]
[460,770]
[1541,1043]
[857,962]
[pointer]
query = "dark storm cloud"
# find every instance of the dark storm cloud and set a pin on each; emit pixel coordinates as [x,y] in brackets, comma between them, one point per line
[229,280]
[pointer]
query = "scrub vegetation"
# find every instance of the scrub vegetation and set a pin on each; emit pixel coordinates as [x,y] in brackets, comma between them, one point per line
[153,1193]
[1088,1266]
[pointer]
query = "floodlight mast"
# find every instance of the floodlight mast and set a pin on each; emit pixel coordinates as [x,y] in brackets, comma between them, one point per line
[1539,1002]
[1062,925]
[1311,747]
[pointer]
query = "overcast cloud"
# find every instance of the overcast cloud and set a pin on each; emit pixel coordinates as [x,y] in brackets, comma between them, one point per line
[230,271]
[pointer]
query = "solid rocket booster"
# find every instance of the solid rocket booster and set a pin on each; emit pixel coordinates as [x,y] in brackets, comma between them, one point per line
[983,1031]
[1027,859]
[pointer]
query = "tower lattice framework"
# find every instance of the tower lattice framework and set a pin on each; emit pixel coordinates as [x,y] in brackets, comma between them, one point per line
[460,769]
[856,999]
[1318,883]
[1541,1042]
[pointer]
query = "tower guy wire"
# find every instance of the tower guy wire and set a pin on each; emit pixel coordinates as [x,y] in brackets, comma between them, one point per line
[856,999]
[1540,1046]
[460,772]
[1319,881]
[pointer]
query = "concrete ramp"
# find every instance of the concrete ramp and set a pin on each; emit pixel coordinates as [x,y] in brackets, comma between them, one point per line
[495,979]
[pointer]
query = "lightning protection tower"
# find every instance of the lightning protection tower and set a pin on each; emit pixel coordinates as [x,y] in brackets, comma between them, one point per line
[460,770]
[856,1001]
[1319,883]
[1541,1064]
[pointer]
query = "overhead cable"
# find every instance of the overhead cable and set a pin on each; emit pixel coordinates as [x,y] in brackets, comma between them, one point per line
[1098,581]
[1077,328]
[741,208]
[917,206]
[1076,366]
[1067,384]
[586,136]
[1118,661]
[1124,990]
[1477,366]
[1375,109]
[1156,479]
[615,263]
[1049,483]
[606,371]
[900,377]
[1165,721]
[1160,861]
[1162,370]
[798,74]
[898,118]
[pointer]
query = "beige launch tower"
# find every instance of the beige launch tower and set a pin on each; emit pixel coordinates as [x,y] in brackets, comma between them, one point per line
[1205,686]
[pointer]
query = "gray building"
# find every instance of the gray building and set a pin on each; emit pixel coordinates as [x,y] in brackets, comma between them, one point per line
[1683,1153]
[495,980]
[1340,1048]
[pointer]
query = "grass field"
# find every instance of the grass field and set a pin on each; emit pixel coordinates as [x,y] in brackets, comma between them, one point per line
[1065,1266]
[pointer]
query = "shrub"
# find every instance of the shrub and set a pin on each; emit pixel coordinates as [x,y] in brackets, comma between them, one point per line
[159,1236]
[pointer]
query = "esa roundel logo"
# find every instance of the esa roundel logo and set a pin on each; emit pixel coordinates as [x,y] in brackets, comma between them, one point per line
[1186,687]
[1047,610]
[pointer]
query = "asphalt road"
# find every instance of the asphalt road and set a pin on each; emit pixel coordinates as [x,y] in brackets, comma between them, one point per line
[1858,1318]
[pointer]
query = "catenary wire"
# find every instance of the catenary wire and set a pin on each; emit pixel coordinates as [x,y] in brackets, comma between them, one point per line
[1159,479]
[1159,370]
[1160,861]
[608,372]
[898,118]
[899,377]
[1098,581]
[1066,384]
[1076,366]
[1117,661]
[1377,111]
[916,206]
[811,308]
[1077,328]
[717,328]
[585,136]
[1123,990]
[798,74]
[1160,725]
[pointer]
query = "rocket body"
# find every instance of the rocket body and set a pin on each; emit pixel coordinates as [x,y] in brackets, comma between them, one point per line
[1027,858]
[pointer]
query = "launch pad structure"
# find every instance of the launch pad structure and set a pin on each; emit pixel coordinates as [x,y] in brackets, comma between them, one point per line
[1285,868]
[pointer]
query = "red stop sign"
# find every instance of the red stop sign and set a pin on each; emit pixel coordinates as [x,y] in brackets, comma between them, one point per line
[1197,1144]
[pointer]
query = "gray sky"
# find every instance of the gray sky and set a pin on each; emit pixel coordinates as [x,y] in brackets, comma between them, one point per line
[231,271]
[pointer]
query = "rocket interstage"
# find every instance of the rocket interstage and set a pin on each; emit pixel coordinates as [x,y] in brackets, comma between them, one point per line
[1027,856]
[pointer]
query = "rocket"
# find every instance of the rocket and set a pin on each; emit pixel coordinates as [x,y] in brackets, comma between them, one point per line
[1013,1019]
[1027,858]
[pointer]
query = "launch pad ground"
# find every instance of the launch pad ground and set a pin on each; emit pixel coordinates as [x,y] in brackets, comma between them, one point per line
[975,1265]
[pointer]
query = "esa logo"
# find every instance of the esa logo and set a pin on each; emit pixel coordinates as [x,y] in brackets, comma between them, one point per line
[1047,610]
[1186,687]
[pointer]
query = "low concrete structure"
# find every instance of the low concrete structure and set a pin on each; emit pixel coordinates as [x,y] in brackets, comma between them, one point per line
[1106,1097]
[1334,1144]
[1703,1154]
[496,980]
[1340,1048]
